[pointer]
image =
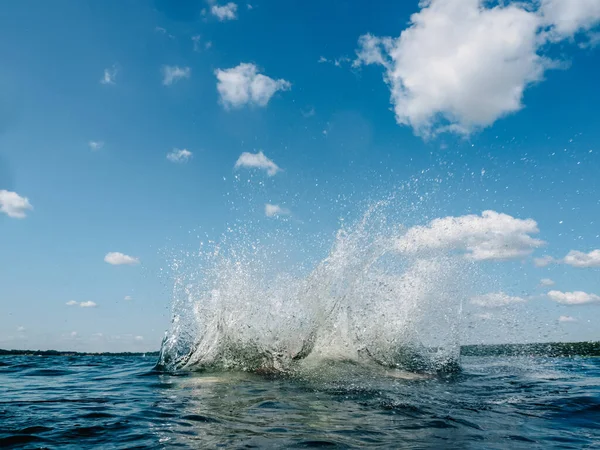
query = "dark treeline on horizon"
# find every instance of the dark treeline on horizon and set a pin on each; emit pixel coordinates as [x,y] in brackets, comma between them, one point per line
[550,349]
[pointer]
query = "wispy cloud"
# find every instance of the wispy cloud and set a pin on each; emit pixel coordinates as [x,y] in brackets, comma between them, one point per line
[546,282]
[495,300]
[172,74]
[110,75]
[567,319]
[21,329]
[244,85]
[257,161]
[96,145]
[164,32]
[118,259]
[543,261]
[225,12]
[13,205]
[88,304]
[573,298]
[179,155]
[128,298]
[275,210]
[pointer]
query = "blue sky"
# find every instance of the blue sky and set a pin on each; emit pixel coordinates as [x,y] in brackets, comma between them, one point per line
[94,96]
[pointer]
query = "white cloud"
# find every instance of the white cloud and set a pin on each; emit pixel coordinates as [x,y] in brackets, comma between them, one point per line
[243,85]
[567,319]
[461,64]
[96,145]
[21,329]
[257,161]
[579,259]
[225,12]
[275,210]
[13,205]
[547,282]
[139,338]
[117,259]
[179,156]
[88,304]
[128,298]
[491,236]
[495,300]
[573,298]
[73,333]
[543,261]
[568,17]
[110,75]
[196,41]
[171,74]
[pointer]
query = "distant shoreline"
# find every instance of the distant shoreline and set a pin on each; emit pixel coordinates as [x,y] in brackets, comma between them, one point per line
[547,349]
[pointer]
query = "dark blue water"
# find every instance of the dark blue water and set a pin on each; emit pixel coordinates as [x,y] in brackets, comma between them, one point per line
[120,403]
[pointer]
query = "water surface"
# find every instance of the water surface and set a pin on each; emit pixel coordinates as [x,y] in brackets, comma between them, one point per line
[85,402]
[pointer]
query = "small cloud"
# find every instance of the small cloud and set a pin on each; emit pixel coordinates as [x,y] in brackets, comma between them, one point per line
[225,12]
[322,60]
[20,329]
[196,42]
[546,282]
[73,333]
[118,259]
[139,338]
[257,161]
[128,298]
[580,259]
[96,145]
[567,319]
[110,75]
[88,304]
[208,45]
[275,210]
[484,316]
[13,205]
[543,261]
[179,156]
[163,31]
[249,6]
[310,112]
[495,300]
[171,74]
[243,85]
[573,298]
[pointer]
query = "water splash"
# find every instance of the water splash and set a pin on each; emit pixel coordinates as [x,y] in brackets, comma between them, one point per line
[236,308]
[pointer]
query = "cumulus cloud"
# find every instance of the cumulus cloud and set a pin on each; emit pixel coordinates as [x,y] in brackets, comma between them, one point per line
[171,74]
[118,259]
[110,75]
[179,156]
[243,85]
[568,17]
[225,12]
[546,282]
[573,298]
[275,210]
[257,161]
[567,319]
[462,64]
[96,145]
[88,304]
[491,236]
[579,259]
[13,205]
[495,300]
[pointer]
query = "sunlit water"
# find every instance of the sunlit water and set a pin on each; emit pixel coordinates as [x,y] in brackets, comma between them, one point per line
[122,403]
